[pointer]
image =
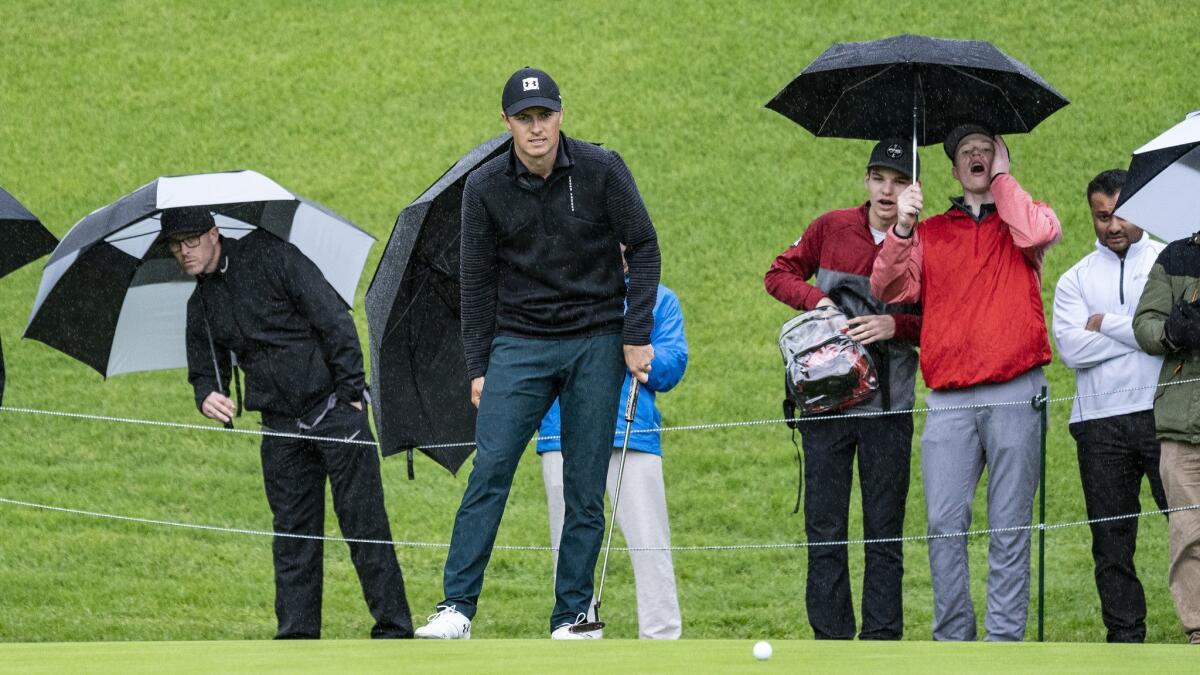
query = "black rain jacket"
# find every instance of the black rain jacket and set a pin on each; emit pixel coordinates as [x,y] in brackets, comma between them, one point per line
[269,305]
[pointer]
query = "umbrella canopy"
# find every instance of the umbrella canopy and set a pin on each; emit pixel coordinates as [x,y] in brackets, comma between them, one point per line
[420,389]
[1162,192]
[915,86]
[113,297]
[23,239]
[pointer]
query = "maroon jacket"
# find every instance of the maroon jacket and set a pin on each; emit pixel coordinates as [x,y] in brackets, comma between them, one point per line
[838,249]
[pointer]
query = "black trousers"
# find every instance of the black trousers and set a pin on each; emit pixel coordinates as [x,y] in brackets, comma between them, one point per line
[884,449]
[1114,454]
[294,473]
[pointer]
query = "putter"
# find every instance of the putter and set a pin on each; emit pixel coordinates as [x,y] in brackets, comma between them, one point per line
[630,409]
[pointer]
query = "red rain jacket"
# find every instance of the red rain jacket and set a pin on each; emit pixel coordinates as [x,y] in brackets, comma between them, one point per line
[979,285]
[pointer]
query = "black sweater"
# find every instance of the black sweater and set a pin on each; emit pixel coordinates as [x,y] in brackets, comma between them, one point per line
[541,258]
[292,333]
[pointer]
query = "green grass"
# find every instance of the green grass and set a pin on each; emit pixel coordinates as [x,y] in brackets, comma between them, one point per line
[360,105]
[610,656]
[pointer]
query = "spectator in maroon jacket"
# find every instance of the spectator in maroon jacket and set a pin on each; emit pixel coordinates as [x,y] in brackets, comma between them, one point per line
[837,252]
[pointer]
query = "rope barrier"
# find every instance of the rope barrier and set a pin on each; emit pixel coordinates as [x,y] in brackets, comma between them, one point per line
[1037,400]
[717,547]
[712,426]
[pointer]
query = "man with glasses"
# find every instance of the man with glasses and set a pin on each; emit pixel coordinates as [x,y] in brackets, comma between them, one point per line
[260,299]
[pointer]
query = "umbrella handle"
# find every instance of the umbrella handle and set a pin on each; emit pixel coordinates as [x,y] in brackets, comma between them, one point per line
[916,87]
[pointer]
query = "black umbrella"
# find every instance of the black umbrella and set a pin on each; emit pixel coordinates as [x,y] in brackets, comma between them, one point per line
[23,239]
[113,297]
[917,86]
[420,389]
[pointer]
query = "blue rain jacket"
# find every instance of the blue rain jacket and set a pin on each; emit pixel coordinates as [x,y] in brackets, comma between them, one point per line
[670,360]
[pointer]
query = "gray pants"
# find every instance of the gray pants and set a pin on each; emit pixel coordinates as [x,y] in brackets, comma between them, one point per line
[642,517]
[955,447]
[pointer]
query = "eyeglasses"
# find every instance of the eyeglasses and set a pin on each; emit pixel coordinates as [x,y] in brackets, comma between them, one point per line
[188,242]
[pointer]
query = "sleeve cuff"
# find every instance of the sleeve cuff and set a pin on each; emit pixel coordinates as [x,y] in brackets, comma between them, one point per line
[202,394]
[349,393]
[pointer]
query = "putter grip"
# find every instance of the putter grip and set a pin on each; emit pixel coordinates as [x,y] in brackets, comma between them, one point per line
[631,402]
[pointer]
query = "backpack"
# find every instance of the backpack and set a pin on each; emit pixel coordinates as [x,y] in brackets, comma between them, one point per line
[825,369]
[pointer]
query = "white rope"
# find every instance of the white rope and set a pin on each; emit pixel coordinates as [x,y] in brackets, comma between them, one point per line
[719,547]
[179,425]
[692,427]
[688,427]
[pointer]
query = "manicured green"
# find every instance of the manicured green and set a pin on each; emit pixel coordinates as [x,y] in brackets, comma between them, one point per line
[610,656]
[361,105]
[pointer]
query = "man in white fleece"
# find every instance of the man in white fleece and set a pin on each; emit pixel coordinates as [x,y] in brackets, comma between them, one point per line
[1094,304]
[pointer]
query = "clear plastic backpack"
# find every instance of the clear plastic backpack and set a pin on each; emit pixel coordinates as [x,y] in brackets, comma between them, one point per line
[826,369]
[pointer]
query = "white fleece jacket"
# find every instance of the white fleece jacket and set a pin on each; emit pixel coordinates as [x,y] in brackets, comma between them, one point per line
[1108,359]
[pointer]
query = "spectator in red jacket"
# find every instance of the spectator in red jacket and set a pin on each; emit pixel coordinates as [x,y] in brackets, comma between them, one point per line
[836,253]
[976,270]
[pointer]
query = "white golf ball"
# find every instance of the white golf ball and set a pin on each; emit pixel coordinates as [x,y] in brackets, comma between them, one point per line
[762,650]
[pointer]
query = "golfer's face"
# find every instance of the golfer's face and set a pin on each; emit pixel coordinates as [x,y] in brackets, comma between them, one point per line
[884,186]
[194,252]
[535,131]
[1113,232]
[973,163]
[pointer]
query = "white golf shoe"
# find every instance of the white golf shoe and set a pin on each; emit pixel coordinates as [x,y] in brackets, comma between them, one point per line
[564,632]
[447,624]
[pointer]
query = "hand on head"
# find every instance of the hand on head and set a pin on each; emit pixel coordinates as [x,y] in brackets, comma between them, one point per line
[1001,162]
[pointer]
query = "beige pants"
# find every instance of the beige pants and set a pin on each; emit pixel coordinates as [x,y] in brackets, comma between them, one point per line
[1180,469]
[642,517]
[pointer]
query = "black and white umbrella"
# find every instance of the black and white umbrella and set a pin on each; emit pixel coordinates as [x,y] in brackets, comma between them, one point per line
[113,297]
[420,387]
[1162,193]
[23,238]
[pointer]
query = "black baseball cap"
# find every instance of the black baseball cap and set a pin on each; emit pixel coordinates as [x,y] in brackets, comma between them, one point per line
[527,88]
[894,153]
[185,220]
[958,133]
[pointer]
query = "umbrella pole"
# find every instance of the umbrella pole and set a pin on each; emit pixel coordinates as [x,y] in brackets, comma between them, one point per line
[916,86]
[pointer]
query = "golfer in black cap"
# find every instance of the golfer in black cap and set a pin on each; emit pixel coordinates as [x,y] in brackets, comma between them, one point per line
[837,252]
[543,294]
[261,299]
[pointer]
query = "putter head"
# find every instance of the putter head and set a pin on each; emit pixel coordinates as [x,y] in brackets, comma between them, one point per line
[587,626]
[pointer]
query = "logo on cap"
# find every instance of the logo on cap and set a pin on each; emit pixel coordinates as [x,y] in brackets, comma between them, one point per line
[529,83]
[895,151]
